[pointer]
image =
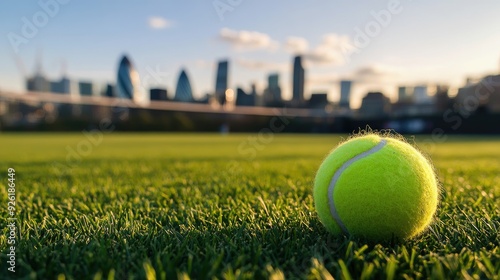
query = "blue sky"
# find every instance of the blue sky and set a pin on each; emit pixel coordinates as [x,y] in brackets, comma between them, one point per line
[419,42]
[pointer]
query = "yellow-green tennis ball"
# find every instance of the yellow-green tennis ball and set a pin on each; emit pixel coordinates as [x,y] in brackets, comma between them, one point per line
[376,187]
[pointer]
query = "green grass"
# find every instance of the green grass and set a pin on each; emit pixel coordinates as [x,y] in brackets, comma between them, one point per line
[179,205]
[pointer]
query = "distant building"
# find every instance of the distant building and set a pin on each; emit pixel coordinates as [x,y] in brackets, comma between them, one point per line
[298,81]
[405,94]
[421,95]
[244,99]
[442,100]
[221,81]
[481,96]
[404,106]
[493,84]
[469,81]
[254,89]
[272,94]
[318,101]
[183,91]
[85,88]
[110,90]
[127,80]
[158,94]
[61,86]
[345,94]
[374,105]
[38,83]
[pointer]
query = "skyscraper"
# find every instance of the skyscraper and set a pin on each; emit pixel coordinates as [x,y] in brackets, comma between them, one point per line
[272,94]
[273,81]
[298,81]
[221,81]
[127,80]
[345,94]
[183,92]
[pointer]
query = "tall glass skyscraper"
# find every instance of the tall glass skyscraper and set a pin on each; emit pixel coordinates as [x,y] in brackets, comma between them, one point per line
[272,94]
[298,80]
[183,92]
[345,94]
[221,81]
[273,85]
[127,80]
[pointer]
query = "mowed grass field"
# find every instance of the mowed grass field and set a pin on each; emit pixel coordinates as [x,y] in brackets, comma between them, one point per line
[206,206]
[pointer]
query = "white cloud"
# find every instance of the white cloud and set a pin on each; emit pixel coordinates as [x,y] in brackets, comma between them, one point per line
[248,40]
[333,50]
[159,22]
[296,45]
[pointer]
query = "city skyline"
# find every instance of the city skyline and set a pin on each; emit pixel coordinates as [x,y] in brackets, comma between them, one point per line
[412,49]
[128,86]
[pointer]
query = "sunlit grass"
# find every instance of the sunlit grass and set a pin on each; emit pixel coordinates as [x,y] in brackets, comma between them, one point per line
[202,206]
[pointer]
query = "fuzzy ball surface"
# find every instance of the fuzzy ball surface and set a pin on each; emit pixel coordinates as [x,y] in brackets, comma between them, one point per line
[376,187]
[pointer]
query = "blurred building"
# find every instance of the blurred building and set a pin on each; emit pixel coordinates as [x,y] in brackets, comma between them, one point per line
[374,105]
[493,83]
[221,81]
[423,103]
[405,94]
[272,94]
[421,95]
[244,99]
[404,106]
[483,96]
[318,100]
[253,91]
[110,90]
[127,80]
[345,94]
[183,91]
[442,100]
[85,88]
[158,94]
[38,83]
[61,86]
[298,81]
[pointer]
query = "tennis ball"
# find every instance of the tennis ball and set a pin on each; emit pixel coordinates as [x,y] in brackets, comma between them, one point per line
[376,187]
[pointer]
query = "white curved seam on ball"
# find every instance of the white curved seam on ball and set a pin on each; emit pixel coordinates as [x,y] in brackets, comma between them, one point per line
[336,176]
